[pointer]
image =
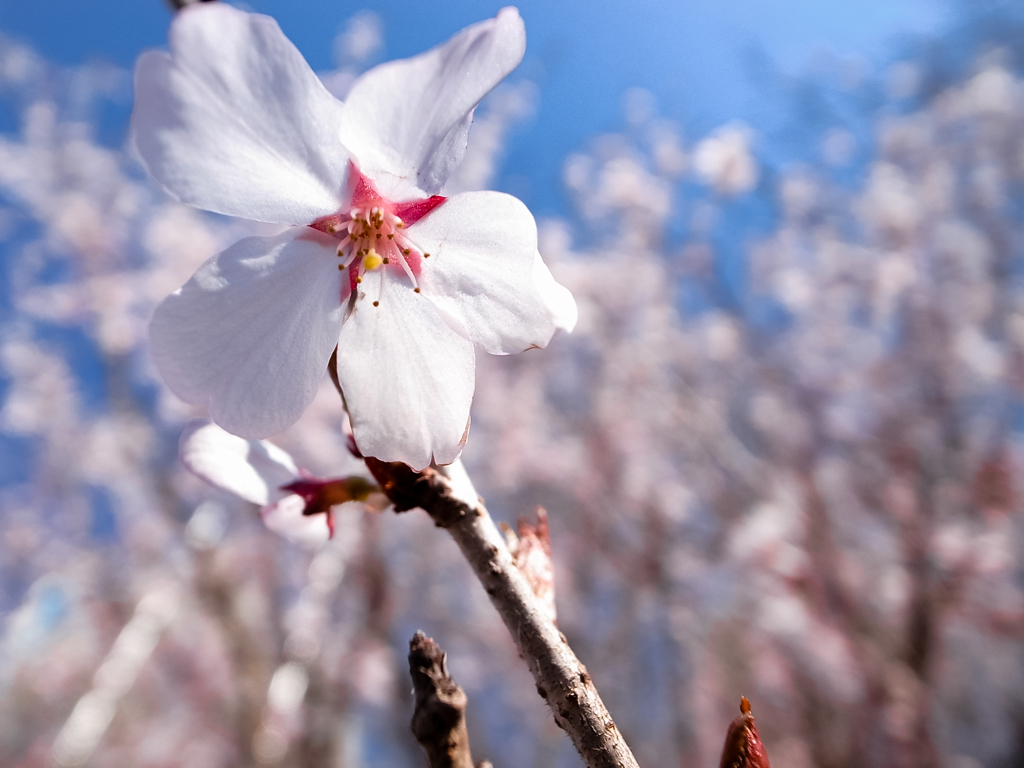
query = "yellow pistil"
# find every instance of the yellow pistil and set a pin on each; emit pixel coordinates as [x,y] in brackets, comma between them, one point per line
[372,260]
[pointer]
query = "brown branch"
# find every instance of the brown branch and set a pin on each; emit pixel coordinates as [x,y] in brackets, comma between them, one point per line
[447,495]
[439,719]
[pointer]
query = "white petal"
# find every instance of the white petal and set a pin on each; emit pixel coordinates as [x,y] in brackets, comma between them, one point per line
[407,376]
[285,518]
[407,121]
[253,470]
[235,121]
[557,297]
[480,273]
[250,334]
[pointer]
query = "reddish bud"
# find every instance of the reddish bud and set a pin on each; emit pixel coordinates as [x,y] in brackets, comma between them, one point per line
[743,747]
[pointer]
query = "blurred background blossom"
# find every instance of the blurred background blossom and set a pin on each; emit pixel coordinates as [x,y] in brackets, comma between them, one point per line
[781,453]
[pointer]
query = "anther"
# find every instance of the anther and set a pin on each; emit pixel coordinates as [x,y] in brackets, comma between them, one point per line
[359,279]
[376,303]
[387,261]
[426,255]
[416,290]
[391,236]
[406,251]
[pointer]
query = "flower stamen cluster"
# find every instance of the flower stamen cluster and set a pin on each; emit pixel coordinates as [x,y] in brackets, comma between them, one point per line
[373,238]
[372,234]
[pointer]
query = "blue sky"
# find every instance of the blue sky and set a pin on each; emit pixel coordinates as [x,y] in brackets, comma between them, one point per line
[694,55]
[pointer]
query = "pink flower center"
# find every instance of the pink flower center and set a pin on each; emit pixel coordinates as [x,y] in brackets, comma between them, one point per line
[372,234]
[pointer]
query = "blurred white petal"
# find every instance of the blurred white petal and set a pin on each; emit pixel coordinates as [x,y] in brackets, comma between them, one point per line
[253,470]
[284,517]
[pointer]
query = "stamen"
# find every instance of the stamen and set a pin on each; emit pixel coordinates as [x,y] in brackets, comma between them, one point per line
[408,270]
[380,287]
[351,257]
[364,232]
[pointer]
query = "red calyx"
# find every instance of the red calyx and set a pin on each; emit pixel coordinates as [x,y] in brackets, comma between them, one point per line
[321,495]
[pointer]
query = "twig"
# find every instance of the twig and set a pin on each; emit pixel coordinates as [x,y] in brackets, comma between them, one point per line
[439,719]
[447,495]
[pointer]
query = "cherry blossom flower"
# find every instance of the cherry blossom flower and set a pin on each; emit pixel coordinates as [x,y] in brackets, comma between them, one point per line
[375,261]
[294,504]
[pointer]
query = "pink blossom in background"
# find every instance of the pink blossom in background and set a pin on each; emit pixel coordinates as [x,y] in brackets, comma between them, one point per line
[403,281]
